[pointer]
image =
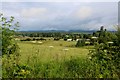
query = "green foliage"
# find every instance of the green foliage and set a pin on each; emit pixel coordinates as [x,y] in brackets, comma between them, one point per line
[44,62]
[8,31]
[76,68]
[105,57]
[10,55]
[12,68]
[104,36]
[80,43]
[104,61]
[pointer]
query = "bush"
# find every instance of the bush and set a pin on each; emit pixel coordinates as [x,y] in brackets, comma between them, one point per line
[105,59]
[56,39]
[80,43]
[9,45]
[10,55]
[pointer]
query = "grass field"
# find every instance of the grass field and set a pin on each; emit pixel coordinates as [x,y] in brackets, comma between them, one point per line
[51,50]
[49,59]
[54,58]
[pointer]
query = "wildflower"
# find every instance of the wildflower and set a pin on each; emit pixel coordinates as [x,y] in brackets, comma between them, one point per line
[90,58]
[94,37]
[105,50]
[23,71]
[33,41]
[110,42]
[40,42]
[87,42]
[66,49]
[51,46]
[27,72]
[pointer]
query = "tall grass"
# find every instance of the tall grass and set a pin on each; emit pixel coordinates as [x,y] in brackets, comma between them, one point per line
[73,67]
[42,61]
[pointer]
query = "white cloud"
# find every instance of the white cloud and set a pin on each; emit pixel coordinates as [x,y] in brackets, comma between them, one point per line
[33,12]
[1,7]
[60,0]
[67,16]
[83,12]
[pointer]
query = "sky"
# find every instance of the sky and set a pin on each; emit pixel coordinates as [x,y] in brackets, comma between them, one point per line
[62,15]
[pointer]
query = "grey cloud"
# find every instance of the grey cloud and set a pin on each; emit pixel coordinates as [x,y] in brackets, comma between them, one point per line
[62,16]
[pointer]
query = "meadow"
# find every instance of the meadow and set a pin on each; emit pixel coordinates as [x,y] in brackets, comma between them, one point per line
[59,55]
[51,50]
[52,59]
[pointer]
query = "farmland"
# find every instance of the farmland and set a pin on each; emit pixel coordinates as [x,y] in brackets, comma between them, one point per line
[48,59]
[51,50]
[60,54]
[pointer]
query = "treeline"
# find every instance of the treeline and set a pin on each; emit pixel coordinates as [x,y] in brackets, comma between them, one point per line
[53,34]
[71,35]
[100,36]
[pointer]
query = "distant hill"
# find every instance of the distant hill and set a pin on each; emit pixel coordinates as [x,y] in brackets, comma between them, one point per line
[58,31]
[69,31]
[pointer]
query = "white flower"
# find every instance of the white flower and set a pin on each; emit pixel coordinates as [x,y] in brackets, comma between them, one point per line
[66,49]
[90,58]
[51,46]
[94,37]
[110,42]
[40,42]
[33,41]
[105,50]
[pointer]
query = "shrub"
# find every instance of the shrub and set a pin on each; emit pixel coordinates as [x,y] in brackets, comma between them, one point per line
[9,45]
[80,43]
[106,59]
[10,55]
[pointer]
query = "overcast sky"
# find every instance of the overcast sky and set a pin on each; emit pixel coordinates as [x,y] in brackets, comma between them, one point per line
[63,15]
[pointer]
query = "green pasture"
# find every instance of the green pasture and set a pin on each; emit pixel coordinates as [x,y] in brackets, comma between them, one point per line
[51,50]
[49,59]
